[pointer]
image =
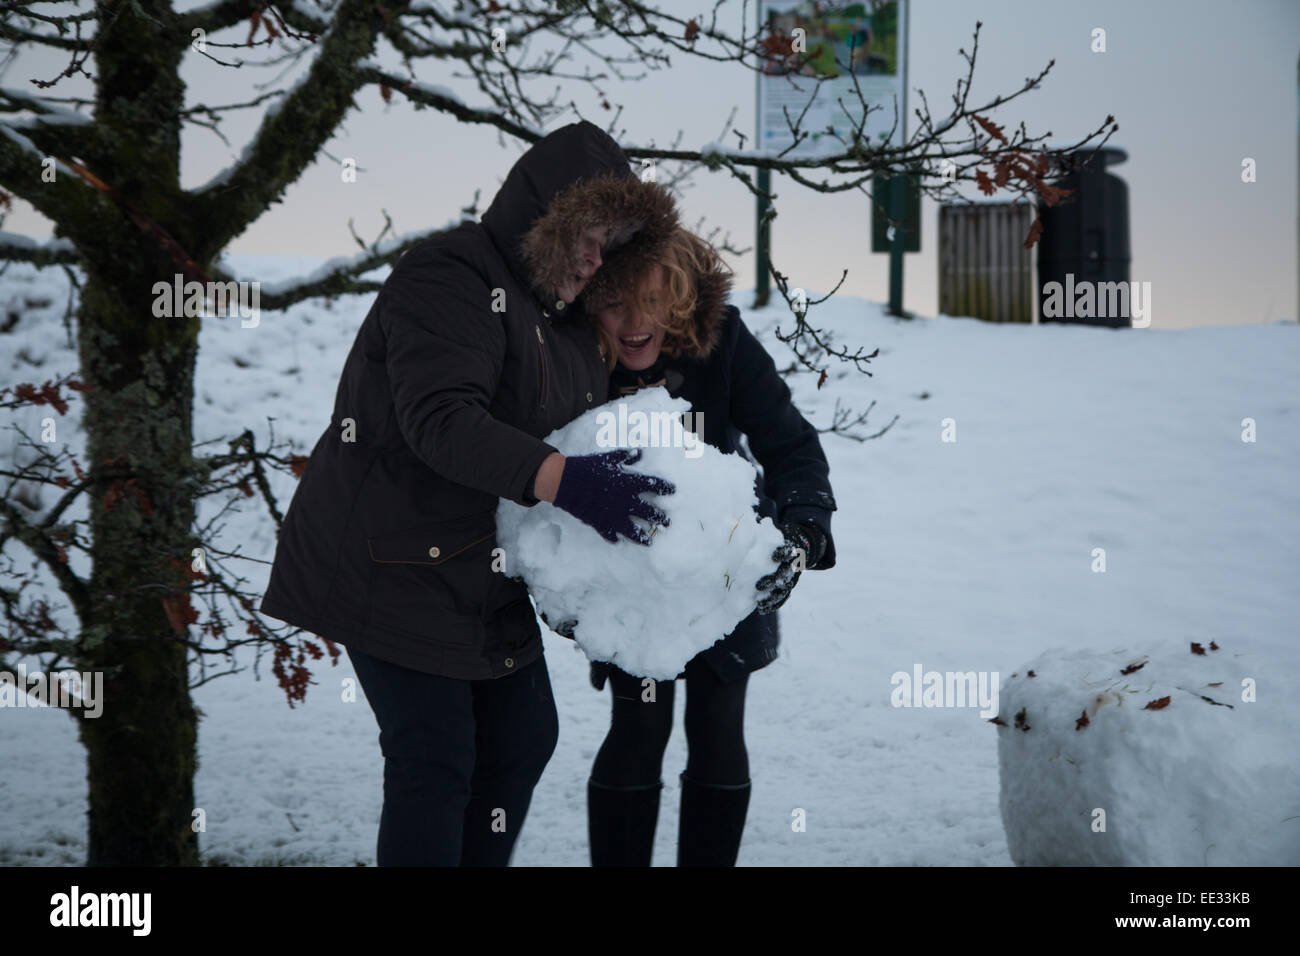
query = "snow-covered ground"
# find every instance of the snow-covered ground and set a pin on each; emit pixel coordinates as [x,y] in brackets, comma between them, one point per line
[967,555]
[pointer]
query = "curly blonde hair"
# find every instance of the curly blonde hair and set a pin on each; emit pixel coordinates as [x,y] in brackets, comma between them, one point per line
[684,259]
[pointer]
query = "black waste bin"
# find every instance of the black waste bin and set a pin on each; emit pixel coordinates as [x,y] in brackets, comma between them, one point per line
[1086,240]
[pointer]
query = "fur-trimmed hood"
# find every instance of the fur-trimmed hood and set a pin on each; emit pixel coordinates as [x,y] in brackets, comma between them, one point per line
[621,269]
[631,208]
[575,178]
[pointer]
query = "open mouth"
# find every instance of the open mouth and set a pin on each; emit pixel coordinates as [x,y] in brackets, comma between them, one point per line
[635,344]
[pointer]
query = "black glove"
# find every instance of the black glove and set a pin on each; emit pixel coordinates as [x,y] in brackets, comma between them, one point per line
[564,628]
[599,674]
[804,546]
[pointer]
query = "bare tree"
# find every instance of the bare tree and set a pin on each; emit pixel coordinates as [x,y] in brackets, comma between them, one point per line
[159,606]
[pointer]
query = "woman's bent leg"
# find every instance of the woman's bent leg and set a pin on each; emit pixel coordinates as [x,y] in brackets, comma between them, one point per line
[426,733]
[715,726]
[633,752]
[517,729]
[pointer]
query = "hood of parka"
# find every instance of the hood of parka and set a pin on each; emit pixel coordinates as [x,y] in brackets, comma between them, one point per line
[575,178]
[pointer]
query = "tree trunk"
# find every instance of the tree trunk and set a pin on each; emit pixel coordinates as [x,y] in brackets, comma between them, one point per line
[141,751]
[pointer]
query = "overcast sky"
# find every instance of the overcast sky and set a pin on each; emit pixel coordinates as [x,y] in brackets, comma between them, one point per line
[1196,87]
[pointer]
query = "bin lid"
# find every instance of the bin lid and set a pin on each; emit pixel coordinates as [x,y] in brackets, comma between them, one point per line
[1109,155]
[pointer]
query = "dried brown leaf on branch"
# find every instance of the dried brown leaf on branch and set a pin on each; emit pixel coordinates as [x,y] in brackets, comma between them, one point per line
[1035,232]
[776,45]
[47,394]
[692,30]
[992,128]
[180,613]
[292,677]
[1051,194]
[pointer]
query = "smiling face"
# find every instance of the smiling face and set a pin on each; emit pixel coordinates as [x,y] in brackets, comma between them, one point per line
[587,262]
[636,321]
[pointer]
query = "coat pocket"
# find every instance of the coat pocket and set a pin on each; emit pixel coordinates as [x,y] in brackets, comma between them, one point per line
[427,576]
[433,544]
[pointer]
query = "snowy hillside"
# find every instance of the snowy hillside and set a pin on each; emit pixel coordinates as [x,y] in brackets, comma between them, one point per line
[968,555]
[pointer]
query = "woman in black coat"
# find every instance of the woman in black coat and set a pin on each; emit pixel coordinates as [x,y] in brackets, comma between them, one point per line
[660,308]
[467,359]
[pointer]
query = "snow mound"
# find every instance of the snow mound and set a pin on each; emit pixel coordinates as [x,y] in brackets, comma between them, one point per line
[648,610]
[1127,759]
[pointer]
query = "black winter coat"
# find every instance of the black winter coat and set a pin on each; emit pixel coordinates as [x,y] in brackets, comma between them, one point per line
[738,390]
[458,371]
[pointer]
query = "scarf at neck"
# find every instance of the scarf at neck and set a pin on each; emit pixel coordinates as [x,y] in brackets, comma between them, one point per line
[628,382]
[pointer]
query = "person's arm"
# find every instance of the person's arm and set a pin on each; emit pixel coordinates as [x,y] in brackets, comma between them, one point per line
[445,350]
[795,471]
[547,481]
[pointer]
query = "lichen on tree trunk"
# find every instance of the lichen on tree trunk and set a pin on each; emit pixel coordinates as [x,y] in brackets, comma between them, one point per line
[141,751]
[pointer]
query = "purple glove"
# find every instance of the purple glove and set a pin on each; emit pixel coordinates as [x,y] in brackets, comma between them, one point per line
[598,492]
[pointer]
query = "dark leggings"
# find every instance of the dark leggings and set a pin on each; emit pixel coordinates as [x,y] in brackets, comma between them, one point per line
[633,752]
[461,759]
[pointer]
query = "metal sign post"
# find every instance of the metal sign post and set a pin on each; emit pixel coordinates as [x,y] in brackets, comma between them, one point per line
[763,279]
[898,204]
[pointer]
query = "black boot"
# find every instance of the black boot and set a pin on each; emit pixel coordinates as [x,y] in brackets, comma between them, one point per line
[712,821]
[621,823]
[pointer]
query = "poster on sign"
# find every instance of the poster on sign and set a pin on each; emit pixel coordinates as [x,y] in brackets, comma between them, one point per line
[840,55]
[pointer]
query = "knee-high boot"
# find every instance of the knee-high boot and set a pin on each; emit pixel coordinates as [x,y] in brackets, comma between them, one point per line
[712,822]
[621,823]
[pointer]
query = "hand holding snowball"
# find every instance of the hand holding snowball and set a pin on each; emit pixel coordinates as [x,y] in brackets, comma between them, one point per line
[597,491]
[804,547]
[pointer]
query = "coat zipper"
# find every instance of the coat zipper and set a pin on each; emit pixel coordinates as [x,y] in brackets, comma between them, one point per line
[541,355]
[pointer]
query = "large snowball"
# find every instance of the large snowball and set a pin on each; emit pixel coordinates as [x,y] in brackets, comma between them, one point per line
[648,610]
[1188,768]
